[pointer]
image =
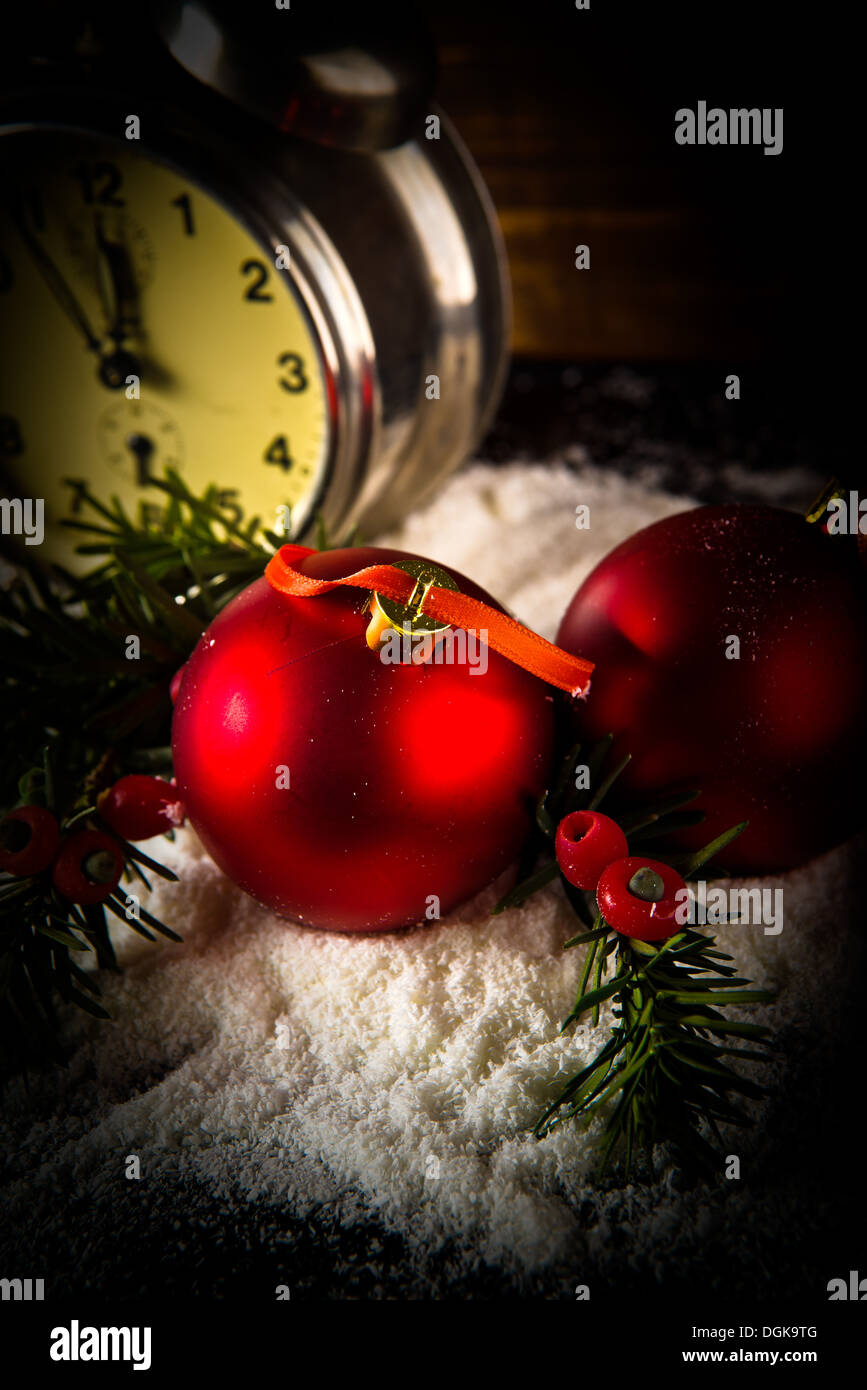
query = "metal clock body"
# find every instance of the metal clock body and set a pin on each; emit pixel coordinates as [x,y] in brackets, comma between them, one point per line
[308,325]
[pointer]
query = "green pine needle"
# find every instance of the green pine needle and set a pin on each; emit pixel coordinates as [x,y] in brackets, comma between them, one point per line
[660,1076]
[78,714]
[660,1059]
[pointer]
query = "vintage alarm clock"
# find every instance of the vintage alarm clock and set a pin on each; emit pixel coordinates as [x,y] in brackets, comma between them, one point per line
[240,241]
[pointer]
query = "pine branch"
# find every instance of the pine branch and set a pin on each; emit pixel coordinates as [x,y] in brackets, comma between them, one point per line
[79,712]
[661,1062]
[660,1076]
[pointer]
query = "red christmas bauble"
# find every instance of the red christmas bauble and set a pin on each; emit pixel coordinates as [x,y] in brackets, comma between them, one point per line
[773,733]
[339,790]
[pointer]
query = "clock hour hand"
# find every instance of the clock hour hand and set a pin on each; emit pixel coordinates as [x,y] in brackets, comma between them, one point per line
[142,447]
[56,283]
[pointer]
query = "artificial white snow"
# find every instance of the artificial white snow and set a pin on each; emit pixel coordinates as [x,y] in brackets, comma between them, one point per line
[393,1076]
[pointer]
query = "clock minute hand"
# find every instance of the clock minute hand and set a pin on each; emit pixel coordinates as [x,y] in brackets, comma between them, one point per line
[56,283]
[114,258]
[120,296]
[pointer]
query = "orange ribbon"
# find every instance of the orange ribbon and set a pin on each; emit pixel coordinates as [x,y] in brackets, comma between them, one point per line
[506,636]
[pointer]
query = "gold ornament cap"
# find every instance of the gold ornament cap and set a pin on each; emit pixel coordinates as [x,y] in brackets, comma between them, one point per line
[408,618]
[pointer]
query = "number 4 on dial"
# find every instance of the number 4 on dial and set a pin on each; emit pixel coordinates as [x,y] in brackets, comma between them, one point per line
[278,453]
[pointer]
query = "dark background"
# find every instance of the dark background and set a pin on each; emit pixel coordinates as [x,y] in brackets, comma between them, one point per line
[695,251]
[704,262]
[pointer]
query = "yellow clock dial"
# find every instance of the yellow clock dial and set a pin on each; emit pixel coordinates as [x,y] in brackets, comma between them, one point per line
[144,325]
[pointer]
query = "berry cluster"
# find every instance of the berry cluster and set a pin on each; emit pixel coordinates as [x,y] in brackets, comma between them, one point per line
[637,897]
[86,864]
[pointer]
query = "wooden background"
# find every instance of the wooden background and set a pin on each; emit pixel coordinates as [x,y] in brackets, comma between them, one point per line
[696,254]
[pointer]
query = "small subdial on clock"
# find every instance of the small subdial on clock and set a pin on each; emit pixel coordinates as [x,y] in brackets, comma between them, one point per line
[140,440]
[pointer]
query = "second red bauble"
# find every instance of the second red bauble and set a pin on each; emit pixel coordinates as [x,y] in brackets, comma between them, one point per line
[343,792]
[775,734]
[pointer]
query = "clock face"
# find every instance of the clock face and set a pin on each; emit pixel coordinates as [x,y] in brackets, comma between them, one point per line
[144,326]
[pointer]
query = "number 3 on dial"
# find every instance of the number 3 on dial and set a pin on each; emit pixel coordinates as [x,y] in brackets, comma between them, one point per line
[294,380]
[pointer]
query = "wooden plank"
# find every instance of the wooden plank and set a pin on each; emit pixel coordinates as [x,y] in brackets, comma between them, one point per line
[572,129]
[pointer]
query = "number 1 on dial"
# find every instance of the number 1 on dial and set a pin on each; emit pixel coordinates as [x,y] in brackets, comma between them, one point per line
[186,207]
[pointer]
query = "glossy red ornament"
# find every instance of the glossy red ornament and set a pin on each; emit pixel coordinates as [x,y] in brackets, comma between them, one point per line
[29,837]
[137,806]
[343,792]
[587,841]
[777,736]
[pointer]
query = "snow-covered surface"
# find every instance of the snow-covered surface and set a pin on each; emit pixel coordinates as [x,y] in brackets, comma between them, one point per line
[392,1077]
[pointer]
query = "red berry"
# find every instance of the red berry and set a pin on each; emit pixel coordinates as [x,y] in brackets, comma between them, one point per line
[586,842]
[138,807]
[639,897]
[88,867]
[29,837]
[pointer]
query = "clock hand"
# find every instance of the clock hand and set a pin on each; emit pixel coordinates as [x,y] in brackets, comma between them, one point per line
[56,283]
[142,447]
[114,367]
[119,294]
[115,260]
[103,284]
